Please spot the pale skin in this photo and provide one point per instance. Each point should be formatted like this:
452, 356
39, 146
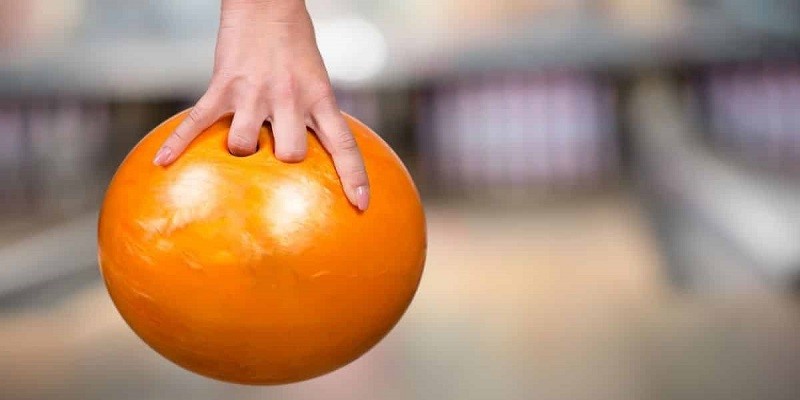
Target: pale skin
267, 67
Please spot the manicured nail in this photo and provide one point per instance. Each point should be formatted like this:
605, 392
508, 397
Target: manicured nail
362, 197
162, 156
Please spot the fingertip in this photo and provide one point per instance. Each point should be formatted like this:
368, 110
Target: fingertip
362, 197
163, 157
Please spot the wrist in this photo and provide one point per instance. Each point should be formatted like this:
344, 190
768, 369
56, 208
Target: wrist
265, 10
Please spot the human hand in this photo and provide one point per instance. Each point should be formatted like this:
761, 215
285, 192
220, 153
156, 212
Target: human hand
267, 67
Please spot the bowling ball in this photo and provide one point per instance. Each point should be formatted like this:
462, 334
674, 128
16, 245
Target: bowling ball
255, 271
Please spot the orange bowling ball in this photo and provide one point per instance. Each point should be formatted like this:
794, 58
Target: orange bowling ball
251, 270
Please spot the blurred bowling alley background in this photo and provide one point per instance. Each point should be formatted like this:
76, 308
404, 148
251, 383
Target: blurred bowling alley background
612, 189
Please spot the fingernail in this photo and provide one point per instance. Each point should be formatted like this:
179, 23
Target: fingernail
162, 156
362, 197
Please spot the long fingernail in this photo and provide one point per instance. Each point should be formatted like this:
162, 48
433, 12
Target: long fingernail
362, 197
162, 156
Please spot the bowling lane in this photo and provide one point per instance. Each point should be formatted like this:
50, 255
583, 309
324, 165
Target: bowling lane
558, 301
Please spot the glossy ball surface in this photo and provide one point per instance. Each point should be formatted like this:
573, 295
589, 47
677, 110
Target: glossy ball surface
251, 270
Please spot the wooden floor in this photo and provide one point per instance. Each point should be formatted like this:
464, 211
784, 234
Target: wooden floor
564, 301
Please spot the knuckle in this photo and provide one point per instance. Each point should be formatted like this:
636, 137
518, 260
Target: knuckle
224, 80
213, 102
258, 99
322, 91
345, 142
250, 94
322, 95
285, 89
217, 86
179, 136
357, 175
196, 113
239, 144
237, 84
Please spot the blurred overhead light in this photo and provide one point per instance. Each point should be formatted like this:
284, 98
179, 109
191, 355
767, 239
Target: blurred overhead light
354, 50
